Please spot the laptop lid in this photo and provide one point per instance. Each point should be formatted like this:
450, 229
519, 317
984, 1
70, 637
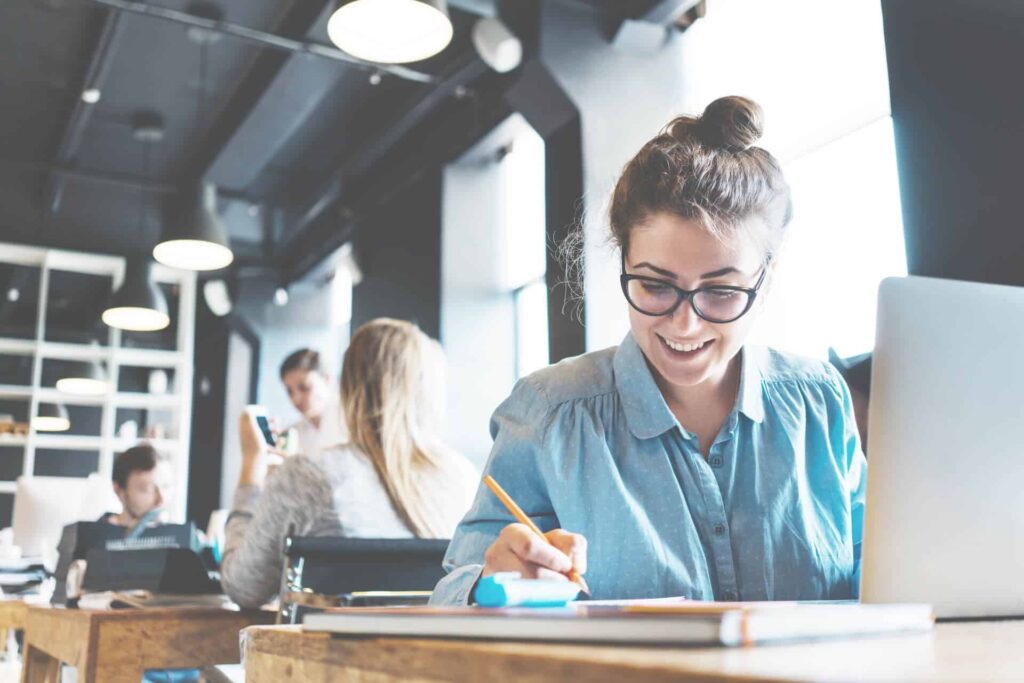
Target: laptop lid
944, 517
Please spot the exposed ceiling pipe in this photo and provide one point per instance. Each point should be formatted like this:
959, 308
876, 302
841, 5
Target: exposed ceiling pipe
648, 32
116, 179
484, 8
95, 73
264, 38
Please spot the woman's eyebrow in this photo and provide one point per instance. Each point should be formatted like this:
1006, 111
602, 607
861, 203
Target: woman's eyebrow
656, 269
706, 276
720, 272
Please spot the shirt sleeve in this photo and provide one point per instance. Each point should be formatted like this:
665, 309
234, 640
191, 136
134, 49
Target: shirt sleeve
852, 455
517, 427
259, 522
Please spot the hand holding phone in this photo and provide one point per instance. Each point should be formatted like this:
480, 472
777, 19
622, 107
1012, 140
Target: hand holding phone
259, 445
258, 415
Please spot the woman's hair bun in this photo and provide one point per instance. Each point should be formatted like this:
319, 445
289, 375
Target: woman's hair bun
733, 123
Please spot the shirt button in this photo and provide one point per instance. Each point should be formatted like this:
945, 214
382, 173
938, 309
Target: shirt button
719, 529
716, 462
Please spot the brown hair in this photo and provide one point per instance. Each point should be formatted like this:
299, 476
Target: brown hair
141, 458
705, 168
391, 394
303, 359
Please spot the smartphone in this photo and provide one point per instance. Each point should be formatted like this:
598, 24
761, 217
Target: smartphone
258, 415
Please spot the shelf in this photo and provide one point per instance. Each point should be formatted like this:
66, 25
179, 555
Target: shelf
15, 391
120, 400
147, 401
71, 443
115, 351
162, 445
51, 395
147, 358
19, 347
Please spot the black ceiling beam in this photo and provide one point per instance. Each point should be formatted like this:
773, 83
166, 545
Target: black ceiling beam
285, 42
365, 157
265, 70
442, 134
246, 147
651, 29
115, 179
93, 77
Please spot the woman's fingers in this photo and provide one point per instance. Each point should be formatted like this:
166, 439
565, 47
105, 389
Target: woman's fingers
531, 549
574, 546
519, 549
502, 559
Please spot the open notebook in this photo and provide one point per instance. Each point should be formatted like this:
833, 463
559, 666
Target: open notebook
682, 623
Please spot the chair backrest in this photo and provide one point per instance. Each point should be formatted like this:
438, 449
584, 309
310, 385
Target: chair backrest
330, 565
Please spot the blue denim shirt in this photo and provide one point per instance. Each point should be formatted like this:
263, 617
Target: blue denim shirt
590, 445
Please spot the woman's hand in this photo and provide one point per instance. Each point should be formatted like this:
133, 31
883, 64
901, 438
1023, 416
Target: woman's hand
518, 549
257, 457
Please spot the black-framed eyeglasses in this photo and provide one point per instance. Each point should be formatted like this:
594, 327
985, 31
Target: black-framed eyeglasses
714, 303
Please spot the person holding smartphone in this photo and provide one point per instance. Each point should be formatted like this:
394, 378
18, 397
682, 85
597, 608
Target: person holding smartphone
393, 478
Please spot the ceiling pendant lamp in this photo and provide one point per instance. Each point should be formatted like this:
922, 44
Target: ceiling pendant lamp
84, 378
138, 304
391, 31
51, 417
194, 237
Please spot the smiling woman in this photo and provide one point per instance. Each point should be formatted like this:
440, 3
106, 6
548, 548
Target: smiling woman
688, 461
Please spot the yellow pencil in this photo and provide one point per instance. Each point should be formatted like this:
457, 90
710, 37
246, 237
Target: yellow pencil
518, 513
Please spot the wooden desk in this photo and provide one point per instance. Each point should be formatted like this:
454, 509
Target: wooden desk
12, 618
978, 651
12, 614
111, 646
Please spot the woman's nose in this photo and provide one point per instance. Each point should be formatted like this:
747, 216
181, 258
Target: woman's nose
685, 319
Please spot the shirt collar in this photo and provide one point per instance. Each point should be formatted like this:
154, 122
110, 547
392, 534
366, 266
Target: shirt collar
750, 401
647, 413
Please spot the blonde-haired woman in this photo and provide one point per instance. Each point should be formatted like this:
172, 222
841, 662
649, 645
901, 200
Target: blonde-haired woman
393, 479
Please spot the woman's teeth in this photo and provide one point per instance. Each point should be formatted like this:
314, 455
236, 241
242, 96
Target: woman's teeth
683, 347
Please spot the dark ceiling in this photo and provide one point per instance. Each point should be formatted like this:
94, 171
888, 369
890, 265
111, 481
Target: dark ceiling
276, 123
298, 143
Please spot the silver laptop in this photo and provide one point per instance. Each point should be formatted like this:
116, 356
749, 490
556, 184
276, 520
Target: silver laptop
945, 499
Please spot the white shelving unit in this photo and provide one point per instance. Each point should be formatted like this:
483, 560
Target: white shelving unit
177, 402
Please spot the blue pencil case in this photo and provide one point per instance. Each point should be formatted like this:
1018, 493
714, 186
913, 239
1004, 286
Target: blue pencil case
510, 589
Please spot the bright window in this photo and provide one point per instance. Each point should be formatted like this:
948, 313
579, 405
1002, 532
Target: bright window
524, 256
845, 237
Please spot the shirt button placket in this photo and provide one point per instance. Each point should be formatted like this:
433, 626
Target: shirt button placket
720, 540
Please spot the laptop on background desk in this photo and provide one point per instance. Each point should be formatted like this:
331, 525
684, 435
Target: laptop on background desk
944, 517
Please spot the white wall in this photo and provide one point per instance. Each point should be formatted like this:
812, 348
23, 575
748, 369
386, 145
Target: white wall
623, 99
316, 317
813, 65
477, 312
236, 397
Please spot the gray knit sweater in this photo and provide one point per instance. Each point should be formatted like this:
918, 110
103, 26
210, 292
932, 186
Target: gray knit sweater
335, 492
